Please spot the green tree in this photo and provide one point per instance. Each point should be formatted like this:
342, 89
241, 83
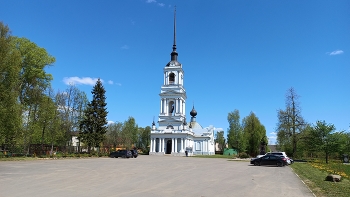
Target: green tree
305, 149
290, 123
254, 133
32, 84
129, 133
324, 139
93, 126
71, 104
144, 138
220, 140
235, 136
113, 135
46, 117
10, 65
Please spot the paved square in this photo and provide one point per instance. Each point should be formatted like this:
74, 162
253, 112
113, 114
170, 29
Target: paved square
146, 176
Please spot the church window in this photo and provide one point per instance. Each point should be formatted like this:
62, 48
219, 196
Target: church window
171, 108
171, 78
198, 146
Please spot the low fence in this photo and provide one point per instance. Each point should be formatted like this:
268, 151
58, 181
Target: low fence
48, 150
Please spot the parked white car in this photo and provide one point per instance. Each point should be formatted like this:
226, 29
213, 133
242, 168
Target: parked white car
289, 161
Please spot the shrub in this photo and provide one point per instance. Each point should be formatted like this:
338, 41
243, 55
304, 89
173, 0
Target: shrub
243, 155
234, 156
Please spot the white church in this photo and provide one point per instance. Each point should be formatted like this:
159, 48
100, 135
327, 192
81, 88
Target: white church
174, 135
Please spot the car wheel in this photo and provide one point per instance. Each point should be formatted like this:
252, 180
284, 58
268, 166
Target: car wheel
256, 163
279, 164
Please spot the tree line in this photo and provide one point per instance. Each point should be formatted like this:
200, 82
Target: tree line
301, 139
31, 112
295, 136
248, 136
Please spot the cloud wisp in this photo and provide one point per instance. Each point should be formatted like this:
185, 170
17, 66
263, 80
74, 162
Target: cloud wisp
336, 52
154, 1
80, 81
86, 81
125, 47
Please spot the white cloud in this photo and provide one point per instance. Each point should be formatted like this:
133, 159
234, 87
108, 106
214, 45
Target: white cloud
80, 81
154, 1
110, 82
110, 122
118, 84
272, 137
273, 133
219, 129
336, 52
125, 47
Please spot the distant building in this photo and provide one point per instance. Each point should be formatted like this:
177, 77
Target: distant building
174, 135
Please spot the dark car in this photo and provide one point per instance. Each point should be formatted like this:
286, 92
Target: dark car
121, 153
269, 160
134, 153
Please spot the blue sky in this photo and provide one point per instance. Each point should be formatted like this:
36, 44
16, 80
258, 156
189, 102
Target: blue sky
240, 55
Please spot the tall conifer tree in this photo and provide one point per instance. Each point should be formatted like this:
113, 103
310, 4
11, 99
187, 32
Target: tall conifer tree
94, 125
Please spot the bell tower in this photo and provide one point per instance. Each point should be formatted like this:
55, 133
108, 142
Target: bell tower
172, 94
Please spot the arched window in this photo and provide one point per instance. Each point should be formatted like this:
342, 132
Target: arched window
171, 78
171, 108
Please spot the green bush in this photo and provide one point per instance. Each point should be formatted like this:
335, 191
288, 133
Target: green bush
234, 156
243, 155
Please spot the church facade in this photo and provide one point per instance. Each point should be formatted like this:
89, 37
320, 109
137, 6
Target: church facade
174, 136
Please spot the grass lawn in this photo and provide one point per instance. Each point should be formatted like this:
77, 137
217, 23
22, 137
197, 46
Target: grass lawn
17, 158
314, 174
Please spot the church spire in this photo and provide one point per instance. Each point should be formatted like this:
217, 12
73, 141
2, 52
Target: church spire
174, 54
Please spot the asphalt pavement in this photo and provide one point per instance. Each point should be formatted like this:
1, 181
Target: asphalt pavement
145, 176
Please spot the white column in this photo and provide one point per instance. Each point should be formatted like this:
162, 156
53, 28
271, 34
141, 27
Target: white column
175, 144
166, 107
182, 145
183, 106
202, 146
155, 144
180, 106
151, 145
162, 145
161, 103
172, 145
164, 78
162, 106
207, 146
177, 77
